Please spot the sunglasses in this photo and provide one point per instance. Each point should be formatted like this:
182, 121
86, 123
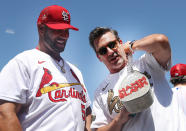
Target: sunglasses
111, 45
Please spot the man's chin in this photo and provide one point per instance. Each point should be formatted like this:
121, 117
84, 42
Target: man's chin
59, 50
119, 65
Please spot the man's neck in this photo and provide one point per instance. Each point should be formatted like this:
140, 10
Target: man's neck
180, 84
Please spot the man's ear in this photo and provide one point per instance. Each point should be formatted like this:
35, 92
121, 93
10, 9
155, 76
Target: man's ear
41, 28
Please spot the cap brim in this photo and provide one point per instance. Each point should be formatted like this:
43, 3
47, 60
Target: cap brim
61, 26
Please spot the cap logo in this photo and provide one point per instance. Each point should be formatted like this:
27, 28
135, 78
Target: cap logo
44, 17
176, 74
65, 16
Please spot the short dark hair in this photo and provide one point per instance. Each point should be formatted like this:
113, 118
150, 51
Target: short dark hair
178, 80
98, 32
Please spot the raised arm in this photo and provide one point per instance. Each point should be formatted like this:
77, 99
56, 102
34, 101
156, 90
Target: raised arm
156, 44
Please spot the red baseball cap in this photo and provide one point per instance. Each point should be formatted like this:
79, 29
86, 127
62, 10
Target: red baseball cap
55, 17
178, 70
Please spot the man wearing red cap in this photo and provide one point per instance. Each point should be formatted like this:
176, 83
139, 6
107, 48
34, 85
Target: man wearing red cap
178, 79
39, 89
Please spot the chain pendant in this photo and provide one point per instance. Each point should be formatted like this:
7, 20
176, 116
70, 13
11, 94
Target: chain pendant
63, 70
61, 67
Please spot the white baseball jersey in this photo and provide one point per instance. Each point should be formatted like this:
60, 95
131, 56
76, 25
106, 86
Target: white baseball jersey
51, 100
180, 94
163, 115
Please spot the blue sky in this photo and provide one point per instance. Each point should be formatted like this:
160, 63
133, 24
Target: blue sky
134, 19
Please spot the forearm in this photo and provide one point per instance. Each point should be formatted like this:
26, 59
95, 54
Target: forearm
151, 43
88, 119
156, 44
115, 125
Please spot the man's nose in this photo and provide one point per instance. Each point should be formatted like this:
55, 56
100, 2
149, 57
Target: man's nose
110, 51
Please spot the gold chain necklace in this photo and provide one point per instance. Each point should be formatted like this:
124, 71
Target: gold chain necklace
61, 67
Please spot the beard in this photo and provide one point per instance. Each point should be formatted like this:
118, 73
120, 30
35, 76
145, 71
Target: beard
54, 43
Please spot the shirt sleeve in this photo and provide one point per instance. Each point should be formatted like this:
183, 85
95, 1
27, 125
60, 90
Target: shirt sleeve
14, 82
153, 64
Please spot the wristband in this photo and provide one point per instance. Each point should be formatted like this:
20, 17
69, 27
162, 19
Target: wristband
131, 44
